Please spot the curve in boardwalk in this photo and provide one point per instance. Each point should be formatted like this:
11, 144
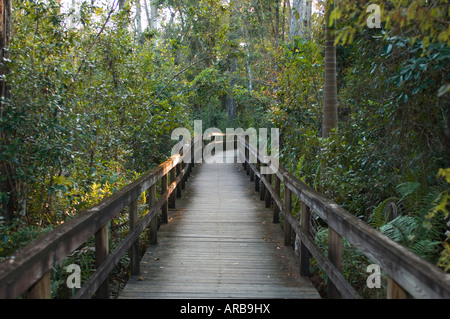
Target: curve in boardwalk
220, 242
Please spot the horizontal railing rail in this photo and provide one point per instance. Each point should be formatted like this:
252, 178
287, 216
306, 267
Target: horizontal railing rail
407, 272
28, 270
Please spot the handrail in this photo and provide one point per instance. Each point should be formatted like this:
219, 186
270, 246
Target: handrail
406, 270
30, 266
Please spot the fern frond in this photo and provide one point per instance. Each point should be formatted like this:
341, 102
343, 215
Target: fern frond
425, 248
407, 188
402, 229
383, 212
409, 196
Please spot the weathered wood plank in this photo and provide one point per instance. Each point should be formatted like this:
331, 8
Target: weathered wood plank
41, 289
133, 219
220, 242
154, 222
101, 252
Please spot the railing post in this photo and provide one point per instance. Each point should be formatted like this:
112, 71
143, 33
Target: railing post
276, 209
257, 165
193, 153
184, 179
101, 252
394, 290
262, 191
165, 206
267, 195
246, 155
335, 256
133, 218
305, 227
172, 175
178, 173
287, 211
41, 289
154, 222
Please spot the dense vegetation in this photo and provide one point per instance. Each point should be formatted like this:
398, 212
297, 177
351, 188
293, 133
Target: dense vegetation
94, 96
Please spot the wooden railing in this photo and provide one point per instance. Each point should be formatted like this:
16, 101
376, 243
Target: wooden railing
28, 270
406, 271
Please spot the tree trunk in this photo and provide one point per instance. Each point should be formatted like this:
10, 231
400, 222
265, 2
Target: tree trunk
73, 15
230, 103
330, 122
6, 170
152, 15
147, 13
277, 25
249, 70
330, 114
138, 18
301, 19
283, 23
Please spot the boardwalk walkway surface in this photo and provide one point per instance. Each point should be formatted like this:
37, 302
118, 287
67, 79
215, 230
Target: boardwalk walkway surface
220, 242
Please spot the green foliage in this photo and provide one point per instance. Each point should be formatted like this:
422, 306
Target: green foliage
17, 234
92, 107
79, 124
418, 222
354, 266
420, 20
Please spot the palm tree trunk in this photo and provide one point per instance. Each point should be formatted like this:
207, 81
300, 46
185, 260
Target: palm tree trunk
330, 114
330, 122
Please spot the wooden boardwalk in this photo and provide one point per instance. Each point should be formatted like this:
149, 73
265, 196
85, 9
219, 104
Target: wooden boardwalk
220, 242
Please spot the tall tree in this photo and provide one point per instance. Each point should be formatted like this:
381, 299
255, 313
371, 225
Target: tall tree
301, 19
138, 18
154, 16
330, 114
6, 180
330, 122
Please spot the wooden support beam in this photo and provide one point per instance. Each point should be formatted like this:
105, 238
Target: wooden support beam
305, 255
267, 195
394, 290
262, 190
154, 222
41, 289
177, 173
185, 176
165, 207
276, 209
287, 211
101, 252
134, 250
256, 176
173, 195
335, 256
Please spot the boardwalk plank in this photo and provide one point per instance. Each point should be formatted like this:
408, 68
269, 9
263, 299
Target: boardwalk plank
220, 242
